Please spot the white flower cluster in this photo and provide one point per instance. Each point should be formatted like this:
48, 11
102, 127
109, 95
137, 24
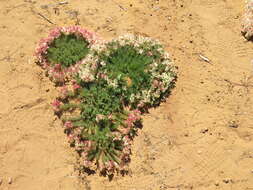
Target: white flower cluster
99, 46
88, 68
161, 82
135, 40
247, 25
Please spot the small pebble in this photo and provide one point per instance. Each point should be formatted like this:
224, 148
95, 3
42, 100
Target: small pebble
199, 151
1, 181
168, 17
22, 55
216, 183
44, 6
226, 180
10, 180
204, 130
233, 124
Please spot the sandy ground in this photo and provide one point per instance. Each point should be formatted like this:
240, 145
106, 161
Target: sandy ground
201, 138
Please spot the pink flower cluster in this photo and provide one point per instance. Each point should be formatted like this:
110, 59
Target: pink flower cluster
68, 125
247, 25
133, 116
56, 105
56, 72
64, 91
75, 86
67, 89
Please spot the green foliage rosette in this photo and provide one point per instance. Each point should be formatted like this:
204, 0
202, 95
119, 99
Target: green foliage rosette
139, 68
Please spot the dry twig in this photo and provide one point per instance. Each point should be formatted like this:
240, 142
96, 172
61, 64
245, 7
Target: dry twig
120, 6
42, 16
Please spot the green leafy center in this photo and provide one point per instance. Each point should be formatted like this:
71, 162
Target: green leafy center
67, 50
99, 99
133, 66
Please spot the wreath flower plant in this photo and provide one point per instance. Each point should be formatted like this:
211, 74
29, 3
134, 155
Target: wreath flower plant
139, 67
111, 86
64, 50
247, 25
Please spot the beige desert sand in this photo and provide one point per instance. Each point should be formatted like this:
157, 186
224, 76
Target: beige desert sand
200, 139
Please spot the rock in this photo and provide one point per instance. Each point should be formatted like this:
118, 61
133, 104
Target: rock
10, 180
247, 24
205, 130
233, 124
226, 180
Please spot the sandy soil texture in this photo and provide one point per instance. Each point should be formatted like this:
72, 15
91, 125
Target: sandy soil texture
201, 138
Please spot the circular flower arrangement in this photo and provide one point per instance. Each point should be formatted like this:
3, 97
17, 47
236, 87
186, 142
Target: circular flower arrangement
247, 25
64, 50
111, 86
139, 67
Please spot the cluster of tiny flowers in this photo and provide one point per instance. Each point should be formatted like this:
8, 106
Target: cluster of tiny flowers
68, 89
132, 118
161, 81
56, 104
247, 25
161, 77
55, 71
136, 41
88, 68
